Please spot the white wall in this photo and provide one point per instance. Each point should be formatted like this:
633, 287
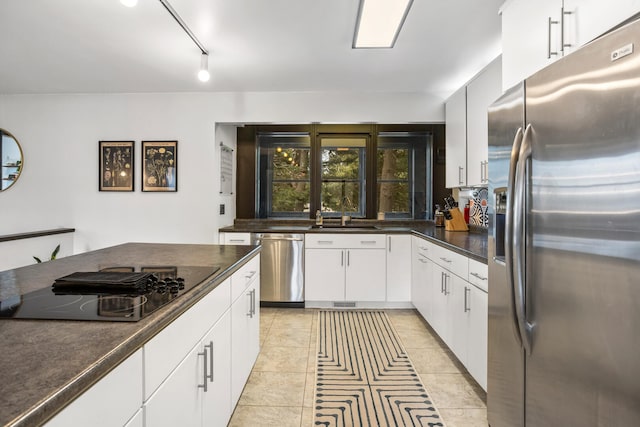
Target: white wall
59, 135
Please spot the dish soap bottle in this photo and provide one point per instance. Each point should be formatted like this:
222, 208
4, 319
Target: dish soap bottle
318, 217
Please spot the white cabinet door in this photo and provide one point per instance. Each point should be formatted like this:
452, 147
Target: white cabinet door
245, 338
458, 316
477, 351
481, 93
586, 20
365, 275
399, 268
422, 285
440, 304
186, 383
216, 405
530, 37
121, 388
456, 139
324, 275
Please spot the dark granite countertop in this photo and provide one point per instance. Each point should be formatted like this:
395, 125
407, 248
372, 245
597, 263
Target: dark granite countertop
472, 244
47, 363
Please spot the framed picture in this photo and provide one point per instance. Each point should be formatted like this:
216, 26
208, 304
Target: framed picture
159, 165
116, 166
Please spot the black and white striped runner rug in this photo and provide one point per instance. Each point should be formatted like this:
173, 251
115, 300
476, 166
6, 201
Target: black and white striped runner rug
364, 376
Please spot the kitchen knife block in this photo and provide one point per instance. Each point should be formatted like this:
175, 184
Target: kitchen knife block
456, 223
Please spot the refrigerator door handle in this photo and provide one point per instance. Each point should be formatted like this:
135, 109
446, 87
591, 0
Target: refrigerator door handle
519, 241
508, 235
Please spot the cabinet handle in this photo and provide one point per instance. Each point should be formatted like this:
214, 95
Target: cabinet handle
254, 302
342, 259
549, 24
250, 275
204, 384
448, 261
210, 346
474, 274
250, 295
325, 242
466, 299
562, 43
367, 242
424, 248
460, 169
236, 240
442, 282
348, 258
389, 243
422, 260
446, 283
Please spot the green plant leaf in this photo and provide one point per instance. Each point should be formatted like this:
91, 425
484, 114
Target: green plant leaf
38, 260
55, 252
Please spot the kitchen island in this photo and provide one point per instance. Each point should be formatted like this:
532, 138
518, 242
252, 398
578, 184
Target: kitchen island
48, 363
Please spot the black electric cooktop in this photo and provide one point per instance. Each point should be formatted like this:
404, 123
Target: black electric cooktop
108, 303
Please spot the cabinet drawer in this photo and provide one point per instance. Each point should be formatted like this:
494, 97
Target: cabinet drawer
235, 238
424, 248
479, 274
245, 275
452, 261
164, 352
345, 241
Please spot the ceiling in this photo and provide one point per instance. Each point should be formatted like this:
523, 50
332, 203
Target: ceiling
101, 46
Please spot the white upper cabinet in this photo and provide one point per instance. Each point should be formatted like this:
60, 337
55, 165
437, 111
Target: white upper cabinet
530, 38
467, 128
586, 20
536, 33
456, 139
481, 93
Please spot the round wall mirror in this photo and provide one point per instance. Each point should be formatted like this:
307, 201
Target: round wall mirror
11, 159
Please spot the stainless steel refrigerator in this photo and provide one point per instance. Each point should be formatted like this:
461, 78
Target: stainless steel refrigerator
564, 242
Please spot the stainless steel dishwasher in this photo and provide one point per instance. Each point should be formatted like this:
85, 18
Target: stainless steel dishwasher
281, 269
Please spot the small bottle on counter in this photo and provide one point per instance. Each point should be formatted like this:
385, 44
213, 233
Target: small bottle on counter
318, 217
439, 217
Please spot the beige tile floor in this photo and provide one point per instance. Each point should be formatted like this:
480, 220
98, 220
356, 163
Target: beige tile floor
280, 389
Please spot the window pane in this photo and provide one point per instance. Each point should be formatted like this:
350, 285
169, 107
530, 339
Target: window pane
284, 174
343, 164
393, 163
332, 200
290, 197
291, 163
394, 197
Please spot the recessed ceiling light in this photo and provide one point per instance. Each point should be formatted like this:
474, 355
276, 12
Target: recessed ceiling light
379, 22
129, 3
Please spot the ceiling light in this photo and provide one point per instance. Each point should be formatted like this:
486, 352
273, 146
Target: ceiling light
379, 22
203, 74
129, 3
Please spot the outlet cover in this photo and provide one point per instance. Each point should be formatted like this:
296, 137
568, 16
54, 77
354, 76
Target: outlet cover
222, 209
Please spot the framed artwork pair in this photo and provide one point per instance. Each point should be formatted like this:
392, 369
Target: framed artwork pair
159, 166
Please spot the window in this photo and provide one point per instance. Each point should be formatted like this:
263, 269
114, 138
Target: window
343, 176
401, 174
284, 182
355, 169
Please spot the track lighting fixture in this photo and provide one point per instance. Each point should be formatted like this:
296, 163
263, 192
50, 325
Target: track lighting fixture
203, 74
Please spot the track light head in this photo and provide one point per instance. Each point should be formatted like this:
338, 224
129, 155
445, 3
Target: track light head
203, 74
